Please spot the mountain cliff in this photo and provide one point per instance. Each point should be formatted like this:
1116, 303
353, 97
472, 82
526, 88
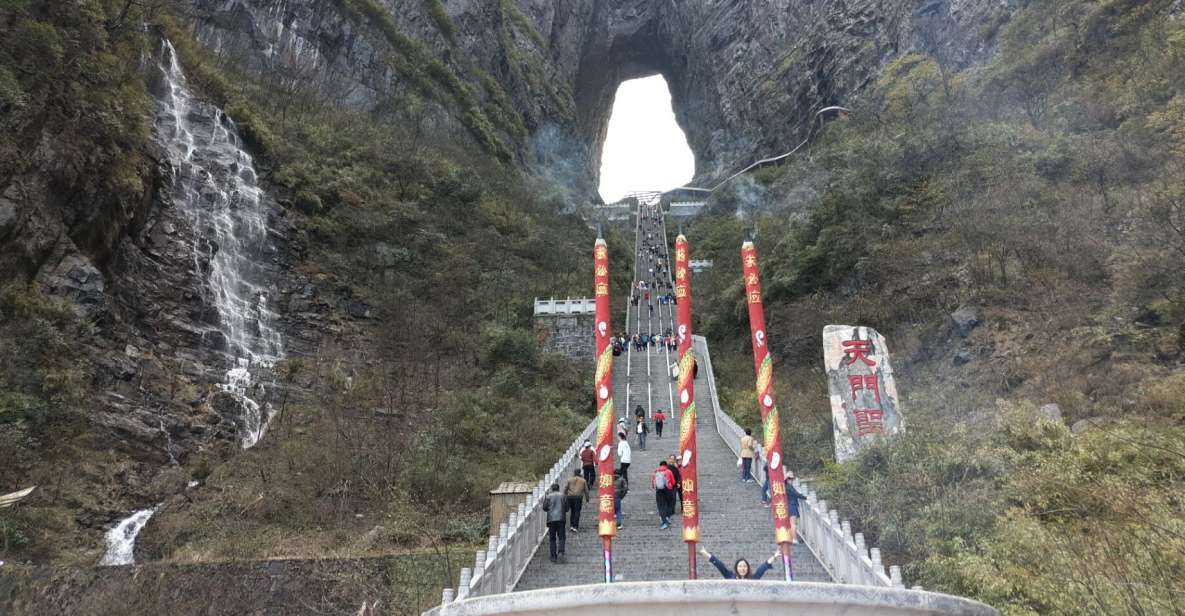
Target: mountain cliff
535, 80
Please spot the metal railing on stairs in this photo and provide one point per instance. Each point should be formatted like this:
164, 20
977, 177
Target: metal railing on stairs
845, 555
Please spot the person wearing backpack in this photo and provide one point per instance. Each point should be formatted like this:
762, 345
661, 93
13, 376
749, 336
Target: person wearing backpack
664, 486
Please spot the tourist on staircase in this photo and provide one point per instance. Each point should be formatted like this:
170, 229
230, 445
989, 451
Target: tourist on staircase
663, 482
621, 487
576, 493
624, 454
673, 464
554, 504
659, 418
642, 429
741, 570
588, 459
747, 453
792, 496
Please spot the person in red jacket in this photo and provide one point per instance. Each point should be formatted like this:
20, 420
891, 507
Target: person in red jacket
663, 482
588, 463
659, 418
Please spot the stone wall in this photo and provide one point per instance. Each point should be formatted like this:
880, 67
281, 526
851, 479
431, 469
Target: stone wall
569, 335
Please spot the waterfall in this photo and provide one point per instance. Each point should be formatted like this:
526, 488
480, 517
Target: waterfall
216, 185
121, 539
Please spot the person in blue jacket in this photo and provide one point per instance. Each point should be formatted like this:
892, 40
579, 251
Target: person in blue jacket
741, 570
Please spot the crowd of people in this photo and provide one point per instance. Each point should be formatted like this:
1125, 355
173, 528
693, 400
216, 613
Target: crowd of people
564, 504
640, 342
666, 482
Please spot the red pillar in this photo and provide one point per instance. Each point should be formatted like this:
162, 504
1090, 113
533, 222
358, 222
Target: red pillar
770, 428
603, 383
688, 453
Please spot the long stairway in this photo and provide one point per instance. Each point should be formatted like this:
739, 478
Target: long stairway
734, 524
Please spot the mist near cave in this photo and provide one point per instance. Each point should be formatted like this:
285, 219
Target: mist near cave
644, 149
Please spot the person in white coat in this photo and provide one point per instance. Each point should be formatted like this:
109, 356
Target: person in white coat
624, 455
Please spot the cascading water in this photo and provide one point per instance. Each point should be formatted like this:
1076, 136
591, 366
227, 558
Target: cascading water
216, 185
121, 539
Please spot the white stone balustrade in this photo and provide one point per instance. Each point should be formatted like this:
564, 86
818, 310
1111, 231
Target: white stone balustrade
497, 569
573, 306
844, 555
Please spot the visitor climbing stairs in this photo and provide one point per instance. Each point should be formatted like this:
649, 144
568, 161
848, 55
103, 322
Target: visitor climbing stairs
734, 523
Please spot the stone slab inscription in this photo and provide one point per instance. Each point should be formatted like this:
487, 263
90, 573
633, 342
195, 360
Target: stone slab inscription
864, 403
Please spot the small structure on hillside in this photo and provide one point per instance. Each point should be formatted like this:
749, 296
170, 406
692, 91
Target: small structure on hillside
864, 403
565, 326
686, 209
505, 499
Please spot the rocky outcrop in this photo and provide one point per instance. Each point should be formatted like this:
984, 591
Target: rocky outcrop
746, 77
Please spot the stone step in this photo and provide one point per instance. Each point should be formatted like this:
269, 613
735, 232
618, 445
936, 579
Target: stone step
733, 522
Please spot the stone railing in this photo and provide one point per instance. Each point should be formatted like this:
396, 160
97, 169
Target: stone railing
844, 555
712, 597
547, 307
498, 568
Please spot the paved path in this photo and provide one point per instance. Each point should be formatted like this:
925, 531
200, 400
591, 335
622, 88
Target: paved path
733, 522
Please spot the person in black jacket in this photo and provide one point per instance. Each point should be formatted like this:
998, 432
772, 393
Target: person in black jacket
673, 464
555, 506
741, 570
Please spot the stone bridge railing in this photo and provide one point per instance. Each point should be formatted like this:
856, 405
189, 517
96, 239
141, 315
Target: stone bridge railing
552, 306
498, 568
844, 555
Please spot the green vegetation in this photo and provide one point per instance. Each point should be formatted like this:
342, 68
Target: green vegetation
441, 18
1045, 188
71, 69
420, 407
40, 379
431, 76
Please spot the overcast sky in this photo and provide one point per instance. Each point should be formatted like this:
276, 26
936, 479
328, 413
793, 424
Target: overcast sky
645, 149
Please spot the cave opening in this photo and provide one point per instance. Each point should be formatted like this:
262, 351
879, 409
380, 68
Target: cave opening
645, 148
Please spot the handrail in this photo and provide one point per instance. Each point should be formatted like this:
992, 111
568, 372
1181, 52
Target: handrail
498, 568
764, 161
552, 306
844, 555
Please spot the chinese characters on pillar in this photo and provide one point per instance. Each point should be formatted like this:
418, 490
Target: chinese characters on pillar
864, 405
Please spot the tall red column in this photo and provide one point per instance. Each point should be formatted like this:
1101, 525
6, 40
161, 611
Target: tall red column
688, 454
771, 431
603, 382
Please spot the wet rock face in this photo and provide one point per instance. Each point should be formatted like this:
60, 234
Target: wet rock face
746, 77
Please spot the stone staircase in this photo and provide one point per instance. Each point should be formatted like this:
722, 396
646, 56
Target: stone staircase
734, 524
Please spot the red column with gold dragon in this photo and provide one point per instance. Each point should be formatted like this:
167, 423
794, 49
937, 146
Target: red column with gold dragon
771, 431
603, 382
688, 454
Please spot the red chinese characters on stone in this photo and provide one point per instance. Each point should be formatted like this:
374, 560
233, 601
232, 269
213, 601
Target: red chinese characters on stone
869, 421
865, 382
858, 350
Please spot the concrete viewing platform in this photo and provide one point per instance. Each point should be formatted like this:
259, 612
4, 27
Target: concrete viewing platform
715, 597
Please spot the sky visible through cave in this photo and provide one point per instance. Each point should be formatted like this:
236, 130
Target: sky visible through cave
645, 148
